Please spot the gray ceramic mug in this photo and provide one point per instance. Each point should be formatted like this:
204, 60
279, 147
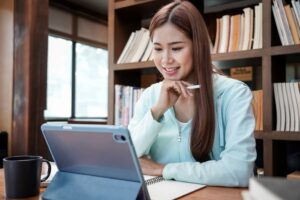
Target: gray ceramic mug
23, 175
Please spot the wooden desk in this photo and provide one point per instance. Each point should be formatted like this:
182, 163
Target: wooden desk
207, 193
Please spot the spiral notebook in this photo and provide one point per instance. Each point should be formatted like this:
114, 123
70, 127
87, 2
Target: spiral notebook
157, 186
162, 189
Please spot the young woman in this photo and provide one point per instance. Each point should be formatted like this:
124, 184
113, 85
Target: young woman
202, 135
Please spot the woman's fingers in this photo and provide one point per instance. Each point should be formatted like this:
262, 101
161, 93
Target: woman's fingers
184, 91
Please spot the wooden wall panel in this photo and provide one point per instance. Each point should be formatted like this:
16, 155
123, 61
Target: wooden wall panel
30, 64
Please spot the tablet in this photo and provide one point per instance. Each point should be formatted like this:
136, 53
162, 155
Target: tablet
100, 154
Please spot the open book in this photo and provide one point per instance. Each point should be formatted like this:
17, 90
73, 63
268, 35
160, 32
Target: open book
162, 189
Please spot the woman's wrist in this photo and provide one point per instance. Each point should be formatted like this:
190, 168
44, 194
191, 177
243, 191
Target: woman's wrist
157, 113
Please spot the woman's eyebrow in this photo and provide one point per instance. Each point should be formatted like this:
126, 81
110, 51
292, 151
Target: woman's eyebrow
171, 43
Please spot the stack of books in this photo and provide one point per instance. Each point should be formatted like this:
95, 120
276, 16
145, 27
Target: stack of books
287, 102
287, 19
239, 32
138, 48
125, 99
272, 188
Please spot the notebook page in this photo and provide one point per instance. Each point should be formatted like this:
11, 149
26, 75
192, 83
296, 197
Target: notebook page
169, 189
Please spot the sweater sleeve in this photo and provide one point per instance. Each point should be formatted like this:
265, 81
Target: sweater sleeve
143, 127
235, 166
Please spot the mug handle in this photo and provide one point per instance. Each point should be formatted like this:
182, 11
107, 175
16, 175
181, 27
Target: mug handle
48, 171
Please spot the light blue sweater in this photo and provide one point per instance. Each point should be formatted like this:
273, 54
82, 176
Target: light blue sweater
233, 153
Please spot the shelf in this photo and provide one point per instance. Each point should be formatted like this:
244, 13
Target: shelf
132, 66
285, 50
277, 135
219, 7
129, 3
237, 55
257, 53
142, 3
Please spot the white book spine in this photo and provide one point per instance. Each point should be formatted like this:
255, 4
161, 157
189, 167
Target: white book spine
129, 41
282, 110
297, 96
134, 46
286, 108
291, 108
297, 11
225, 31
147, 52
217, 38
250, 41
141, 46
247, 26
280, 22
261, 25
285, 22
295, 107
278, 115
256, 27
242, 25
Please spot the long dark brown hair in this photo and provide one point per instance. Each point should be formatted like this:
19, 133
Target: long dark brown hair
185, 16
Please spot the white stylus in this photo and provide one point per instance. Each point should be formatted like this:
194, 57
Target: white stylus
192, 87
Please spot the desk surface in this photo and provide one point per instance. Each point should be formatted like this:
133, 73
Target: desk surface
207, 193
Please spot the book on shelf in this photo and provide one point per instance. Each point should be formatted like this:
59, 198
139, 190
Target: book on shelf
148, 51
239, 32
277, 106
272, 188
257, 105
283, 27
138, 47
242, 73
142, 45
248, 28
292, 24
125, 51
234, 37
287, 98
217, 38
125, 99
224, 37
242, 30
159, 188
295, 20
296, 8
279, 25
135, 43
257, 43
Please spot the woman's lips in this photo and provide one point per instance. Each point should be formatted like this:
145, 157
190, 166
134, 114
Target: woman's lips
171, 71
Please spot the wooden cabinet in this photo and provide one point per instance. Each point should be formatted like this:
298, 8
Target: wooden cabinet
269, 62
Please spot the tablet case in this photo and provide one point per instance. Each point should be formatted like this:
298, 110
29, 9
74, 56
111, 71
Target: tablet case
94, 162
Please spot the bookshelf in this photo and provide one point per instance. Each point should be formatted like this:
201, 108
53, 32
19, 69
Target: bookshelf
269, 61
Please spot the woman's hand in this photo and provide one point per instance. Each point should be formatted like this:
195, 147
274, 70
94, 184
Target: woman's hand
169, 94
149, 167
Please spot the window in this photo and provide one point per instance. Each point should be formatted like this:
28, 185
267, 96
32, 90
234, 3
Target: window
91, 82
59, 78
77, 83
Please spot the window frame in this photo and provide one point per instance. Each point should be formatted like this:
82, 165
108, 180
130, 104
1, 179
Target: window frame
76, 39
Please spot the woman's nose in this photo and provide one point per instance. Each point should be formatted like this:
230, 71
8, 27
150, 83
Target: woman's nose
166, 59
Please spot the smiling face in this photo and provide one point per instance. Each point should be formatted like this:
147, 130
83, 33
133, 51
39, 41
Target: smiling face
172, 53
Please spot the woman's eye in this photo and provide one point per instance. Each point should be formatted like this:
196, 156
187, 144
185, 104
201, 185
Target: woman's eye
176, 48
157, 49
